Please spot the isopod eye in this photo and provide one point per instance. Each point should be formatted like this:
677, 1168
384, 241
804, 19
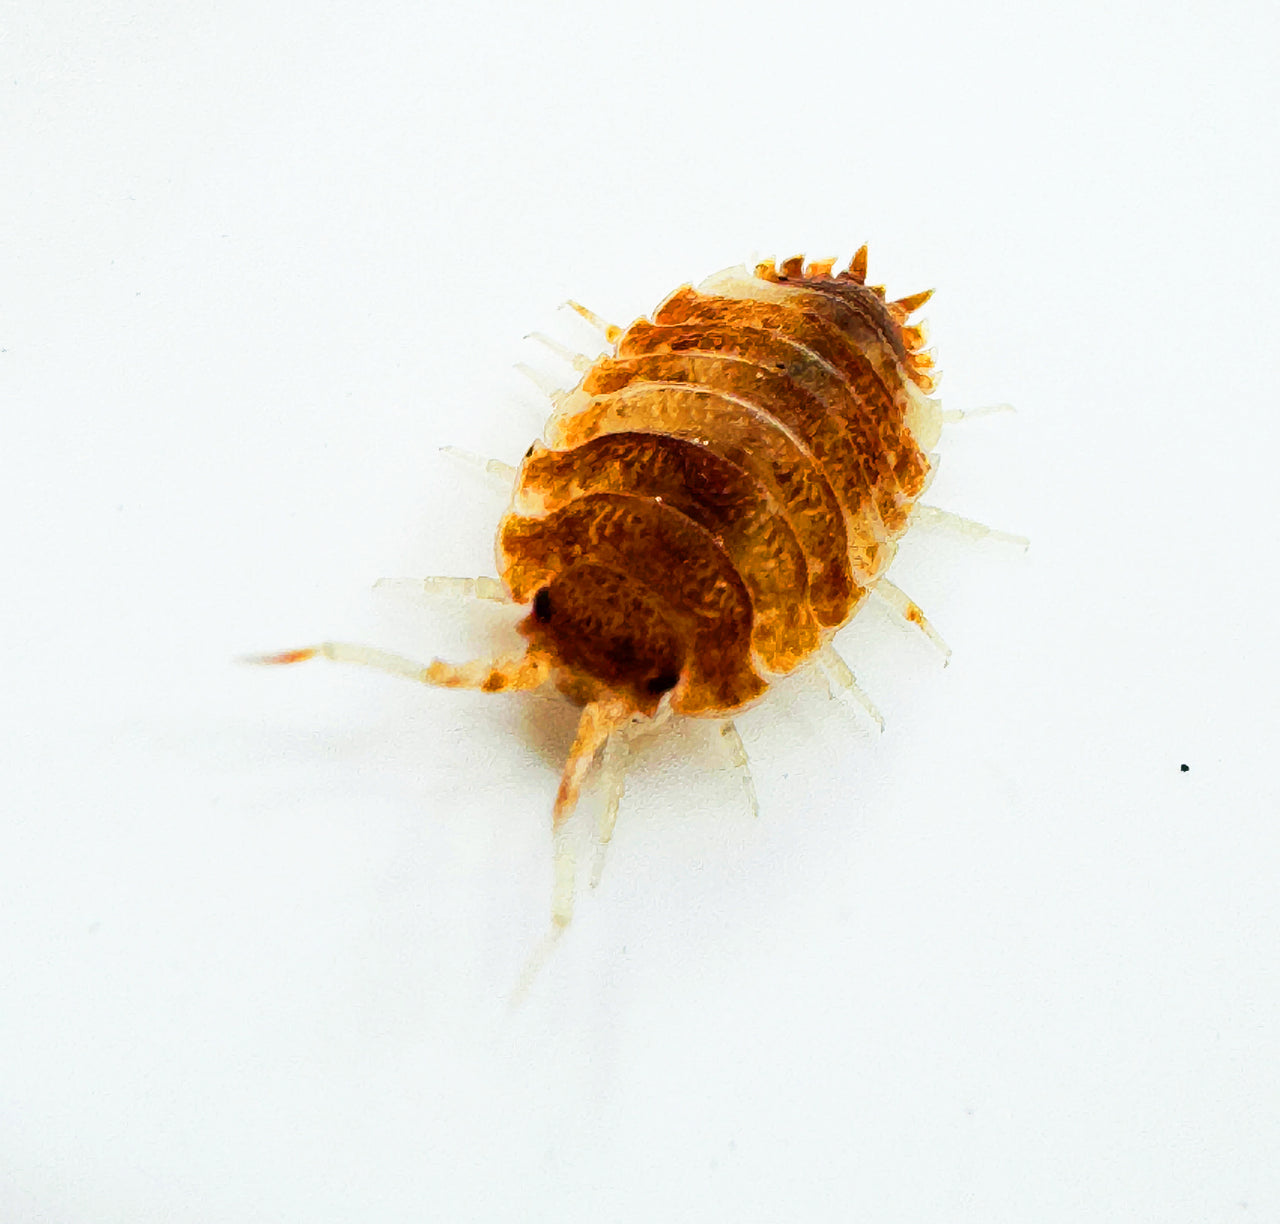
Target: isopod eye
542, 605
664, 682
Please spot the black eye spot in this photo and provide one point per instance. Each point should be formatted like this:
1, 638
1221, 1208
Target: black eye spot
662, 683
542, 605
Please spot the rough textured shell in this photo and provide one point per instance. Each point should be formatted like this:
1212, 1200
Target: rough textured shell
719, 493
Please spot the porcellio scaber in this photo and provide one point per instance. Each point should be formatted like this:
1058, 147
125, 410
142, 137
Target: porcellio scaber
716, 497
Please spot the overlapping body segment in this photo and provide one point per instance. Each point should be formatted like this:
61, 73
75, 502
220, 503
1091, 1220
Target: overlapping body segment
714, 499
775, 414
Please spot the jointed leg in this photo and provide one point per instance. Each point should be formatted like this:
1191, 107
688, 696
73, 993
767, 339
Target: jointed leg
599, 720
953, 416
908, 610
739, 762
556, 394
580, 361
501, 475
600, 725
489, 589
613, 781
842, 685
966, 526
611, 330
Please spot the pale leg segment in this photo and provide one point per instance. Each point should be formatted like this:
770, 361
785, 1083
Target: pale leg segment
580, 361
502, 476
842, 685
613, 783
613, 778
908, 610
938, 517
739, 762
599, 721
555, 393
611, 331
603, 725
953, 416
488, 589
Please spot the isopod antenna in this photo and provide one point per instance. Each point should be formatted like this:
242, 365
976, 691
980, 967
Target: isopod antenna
519, 671
504, 673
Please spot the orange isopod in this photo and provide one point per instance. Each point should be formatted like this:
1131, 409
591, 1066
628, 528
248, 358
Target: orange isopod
715, 498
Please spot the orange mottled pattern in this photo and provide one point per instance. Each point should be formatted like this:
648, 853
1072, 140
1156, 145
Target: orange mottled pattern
721, 490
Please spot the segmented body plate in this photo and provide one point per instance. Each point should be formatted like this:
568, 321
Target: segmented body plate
719, 493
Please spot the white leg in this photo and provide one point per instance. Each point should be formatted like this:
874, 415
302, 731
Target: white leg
738, 761
842, 685
966, 526
953, 416
580, 361
534, 965
908, 610
564, 876
557, 395
599, 720
613, 781
501, 475
489, 589
611, 331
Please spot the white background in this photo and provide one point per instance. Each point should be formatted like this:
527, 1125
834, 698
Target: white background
258, 928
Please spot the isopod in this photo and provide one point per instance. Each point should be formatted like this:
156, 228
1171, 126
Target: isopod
717, 496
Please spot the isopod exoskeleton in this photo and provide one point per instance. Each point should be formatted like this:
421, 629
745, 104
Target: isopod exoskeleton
715, 498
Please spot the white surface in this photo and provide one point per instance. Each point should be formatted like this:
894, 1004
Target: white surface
256, 928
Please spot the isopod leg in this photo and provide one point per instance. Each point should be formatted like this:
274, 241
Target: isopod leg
953, 416
611, 330
740, 763
966, 526
842, 685
599, 720
501, 475
908, 610
613, 781
505, 673
579, 361
489, 589
556, 394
